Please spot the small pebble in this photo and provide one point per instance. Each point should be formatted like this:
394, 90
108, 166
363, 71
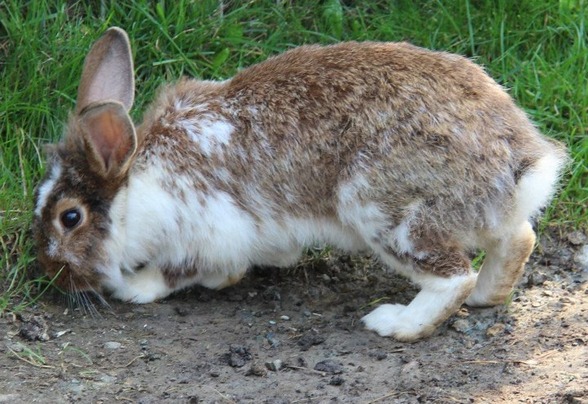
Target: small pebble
272, 339
238, 356
256, 369
300, 361
285, 318
461, 325
576, 237
274, 365
336, 380
34, 329
566, 300
155, 356
379, 355
496, 329
310, 339
181, 311
329, 366
536, 279
112, 345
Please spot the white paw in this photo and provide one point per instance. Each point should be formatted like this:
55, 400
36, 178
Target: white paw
391, 320
141, 295
144, 286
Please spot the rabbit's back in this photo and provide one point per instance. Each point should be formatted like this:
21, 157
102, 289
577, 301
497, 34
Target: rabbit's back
383, 122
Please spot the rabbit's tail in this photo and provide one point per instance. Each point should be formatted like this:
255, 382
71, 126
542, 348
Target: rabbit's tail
537, 185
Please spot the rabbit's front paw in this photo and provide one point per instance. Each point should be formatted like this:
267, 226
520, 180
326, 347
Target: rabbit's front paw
439, 298
144, 286
390, 320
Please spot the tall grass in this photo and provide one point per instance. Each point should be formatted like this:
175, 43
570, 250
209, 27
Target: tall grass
537, 49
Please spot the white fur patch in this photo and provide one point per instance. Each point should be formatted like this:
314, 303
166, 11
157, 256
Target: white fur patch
210, 135
52, 248
374, 225
46, 188
153, 226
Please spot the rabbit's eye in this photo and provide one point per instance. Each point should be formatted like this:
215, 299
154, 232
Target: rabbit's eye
71, 218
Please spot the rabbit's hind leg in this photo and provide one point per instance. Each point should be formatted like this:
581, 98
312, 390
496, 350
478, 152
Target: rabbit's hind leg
503, 266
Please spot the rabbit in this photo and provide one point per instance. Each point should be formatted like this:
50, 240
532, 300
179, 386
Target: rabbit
415, 156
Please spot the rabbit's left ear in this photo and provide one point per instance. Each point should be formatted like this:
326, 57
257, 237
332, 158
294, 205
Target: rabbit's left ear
108, 72
109, 138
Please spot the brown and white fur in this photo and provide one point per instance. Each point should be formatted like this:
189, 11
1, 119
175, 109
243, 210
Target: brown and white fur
414, 155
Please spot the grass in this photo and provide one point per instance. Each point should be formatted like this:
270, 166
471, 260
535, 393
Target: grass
535, 48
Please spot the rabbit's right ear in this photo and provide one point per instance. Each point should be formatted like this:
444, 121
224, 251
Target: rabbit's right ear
109, 138
108, 72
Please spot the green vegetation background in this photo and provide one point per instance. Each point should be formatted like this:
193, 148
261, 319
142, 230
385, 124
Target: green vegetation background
535, 48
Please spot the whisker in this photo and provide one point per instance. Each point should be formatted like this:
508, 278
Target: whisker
81, 302
84, 298
87, 304
79, 298
98, 296
71, 295
89, 294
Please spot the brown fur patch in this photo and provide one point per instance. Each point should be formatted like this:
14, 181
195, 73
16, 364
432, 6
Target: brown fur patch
175, 273
445, 263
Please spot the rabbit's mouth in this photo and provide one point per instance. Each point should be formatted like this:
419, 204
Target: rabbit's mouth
69, 278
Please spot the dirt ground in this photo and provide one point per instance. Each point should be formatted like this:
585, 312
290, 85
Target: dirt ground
293, 336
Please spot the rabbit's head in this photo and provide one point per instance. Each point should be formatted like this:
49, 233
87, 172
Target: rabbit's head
88, 168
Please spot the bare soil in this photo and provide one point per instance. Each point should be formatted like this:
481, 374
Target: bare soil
293, 336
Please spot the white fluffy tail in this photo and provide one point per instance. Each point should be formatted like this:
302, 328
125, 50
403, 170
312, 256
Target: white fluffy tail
537, 186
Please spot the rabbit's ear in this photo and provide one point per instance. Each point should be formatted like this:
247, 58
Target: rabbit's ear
109, 138
108, 72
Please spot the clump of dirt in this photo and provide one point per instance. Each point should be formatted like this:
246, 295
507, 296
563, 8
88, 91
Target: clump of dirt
286, 336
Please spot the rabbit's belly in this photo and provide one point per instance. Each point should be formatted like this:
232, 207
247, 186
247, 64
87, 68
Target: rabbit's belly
281, 243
